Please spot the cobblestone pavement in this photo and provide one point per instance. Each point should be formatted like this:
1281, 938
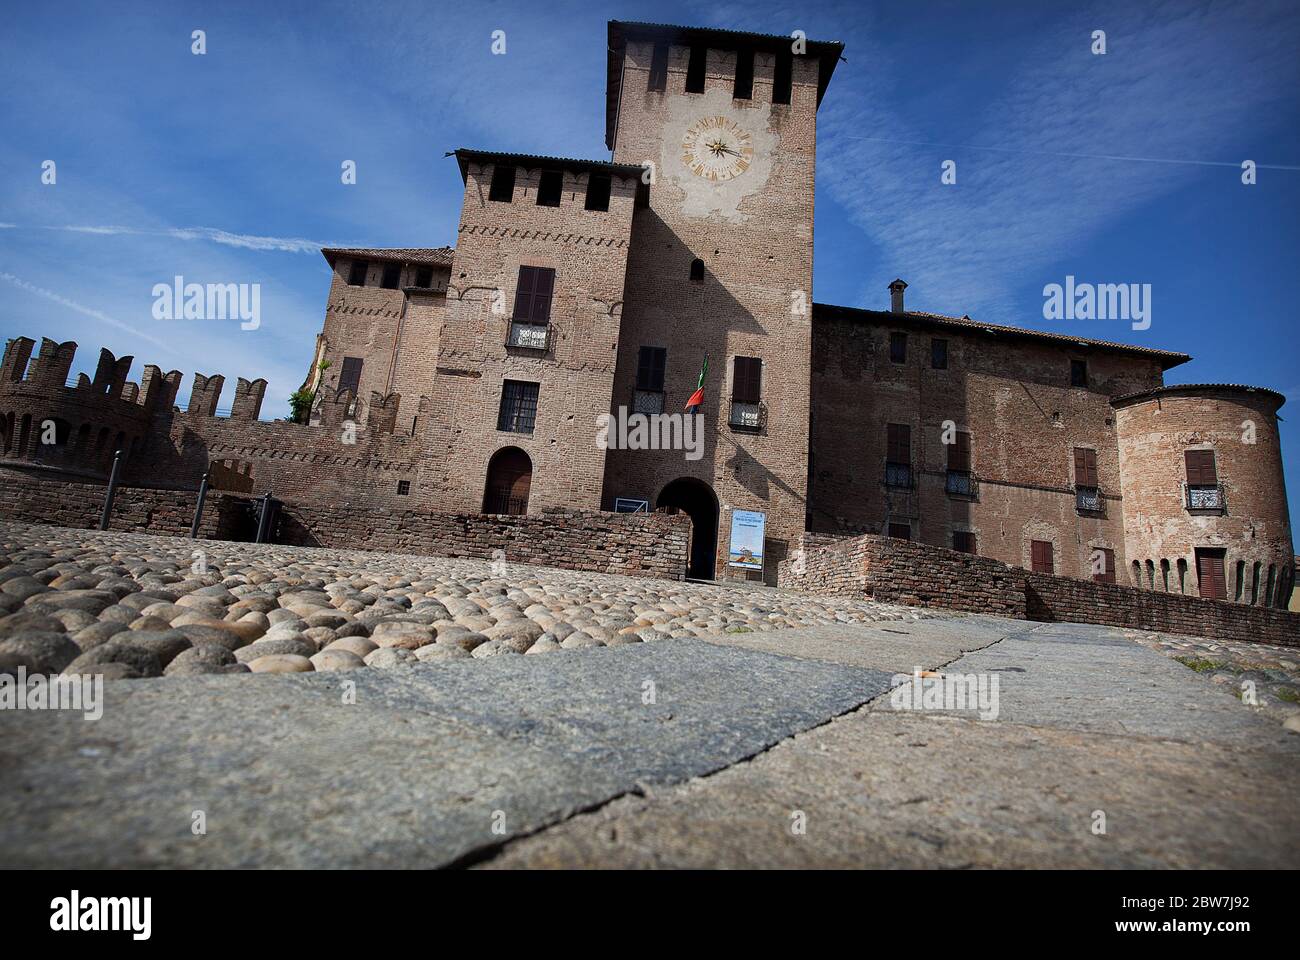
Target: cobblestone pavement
131, 605
1268, 673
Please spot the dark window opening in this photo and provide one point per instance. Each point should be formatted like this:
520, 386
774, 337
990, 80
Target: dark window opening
518, 412
598, 189
1078, 373
1040, 556
697, 271
744, 89
357, 273
424, 277
695, 70
960, 480
551, 188
898, 348
650, 368
392, 276
898, 455
533, 295
781, 78
900, 531
403, 487
503, 184
939, 354
658, 68
747, 380
963, 541
350, 375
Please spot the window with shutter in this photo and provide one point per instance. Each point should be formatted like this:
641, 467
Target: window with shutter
747, 380
959, 451
1085, 467
350, 375
898, 455
1103, 570
1203, 491
1210, 573
533, 294
650, 368
1040, 556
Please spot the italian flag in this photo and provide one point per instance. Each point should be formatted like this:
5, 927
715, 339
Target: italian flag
697, 398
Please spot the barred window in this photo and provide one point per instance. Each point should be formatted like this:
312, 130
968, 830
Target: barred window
518, 406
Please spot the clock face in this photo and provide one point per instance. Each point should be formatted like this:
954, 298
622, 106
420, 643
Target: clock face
717, 149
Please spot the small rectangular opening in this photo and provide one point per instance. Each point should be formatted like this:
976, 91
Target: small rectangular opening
392, 276
658, 68
781, 79
357, 273
503, 184
424, 277
744, 89
695, 70
598, 189
550, 189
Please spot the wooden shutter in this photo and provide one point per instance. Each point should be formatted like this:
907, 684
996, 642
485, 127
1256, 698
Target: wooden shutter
1085, 467
1040, 556
747, 380
1201, 470
1107, 574
650, 368
899, 443
350, 376
1210, 574
959, 452
533, 294
524, 293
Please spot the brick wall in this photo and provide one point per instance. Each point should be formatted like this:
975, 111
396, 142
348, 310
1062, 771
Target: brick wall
901, 571
649, 545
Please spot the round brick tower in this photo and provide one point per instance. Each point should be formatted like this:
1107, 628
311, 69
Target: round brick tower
1205, 509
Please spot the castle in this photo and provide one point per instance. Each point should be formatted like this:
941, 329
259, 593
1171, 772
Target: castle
470, 379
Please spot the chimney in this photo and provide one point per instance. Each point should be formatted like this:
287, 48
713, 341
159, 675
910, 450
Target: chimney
896, 296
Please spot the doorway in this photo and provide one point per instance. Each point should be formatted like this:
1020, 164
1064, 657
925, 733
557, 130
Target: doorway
509, 481
696, 499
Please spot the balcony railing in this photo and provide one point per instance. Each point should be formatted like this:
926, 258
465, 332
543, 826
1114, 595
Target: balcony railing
899, 475
748, 416
648, 402
1087, 500
529, 336
961, 483
1205, 497
498, 500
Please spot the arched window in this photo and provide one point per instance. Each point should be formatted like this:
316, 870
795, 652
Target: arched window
1164, 575
1151, 575
697, 270
1254, 584
1268, 587
1182, 575
1240, 581
1137, 574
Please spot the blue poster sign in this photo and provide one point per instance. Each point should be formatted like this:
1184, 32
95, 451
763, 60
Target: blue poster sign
747, 527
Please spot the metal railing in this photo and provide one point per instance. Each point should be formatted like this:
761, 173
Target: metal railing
899, 475
748, 416
1205, 497
1088, 500
529, 336
961, 483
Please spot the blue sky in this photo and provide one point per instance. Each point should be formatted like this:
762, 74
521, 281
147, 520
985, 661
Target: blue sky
225, 167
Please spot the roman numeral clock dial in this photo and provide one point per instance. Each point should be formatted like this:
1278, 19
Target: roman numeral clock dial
717, 149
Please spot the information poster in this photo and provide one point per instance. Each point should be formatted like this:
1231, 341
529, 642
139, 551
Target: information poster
747, 528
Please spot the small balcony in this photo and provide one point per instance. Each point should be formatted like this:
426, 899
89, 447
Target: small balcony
1088, 500
1207, 497
750, 417
961, 483
899, 476
649, 402
529, 336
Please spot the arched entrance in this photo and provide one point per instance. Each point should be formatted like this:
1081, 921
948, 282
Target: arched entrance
696, 499
509, 479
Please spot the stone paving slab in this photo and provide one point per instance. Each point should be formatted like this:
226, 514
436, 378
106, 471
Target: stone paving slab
1185, 775
411, 775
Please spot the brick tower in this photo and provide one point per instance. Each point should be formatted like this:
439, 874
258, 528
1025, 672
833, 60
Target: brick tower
720, 266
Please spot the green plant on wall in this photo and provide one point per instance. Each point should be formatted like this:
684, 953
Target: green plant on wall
301, 401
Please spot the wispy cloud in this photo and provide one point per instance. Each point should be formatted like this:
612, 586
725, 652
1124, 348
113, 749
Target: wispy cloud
243, 241
84, 310
1033, 185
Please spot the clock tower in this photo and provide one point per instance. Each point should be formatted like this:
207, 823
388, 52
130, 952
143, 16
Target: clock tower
719, 266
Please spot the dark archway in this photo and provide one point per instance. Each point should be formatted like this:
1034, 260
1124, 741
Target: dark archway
509, 480
697, 500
